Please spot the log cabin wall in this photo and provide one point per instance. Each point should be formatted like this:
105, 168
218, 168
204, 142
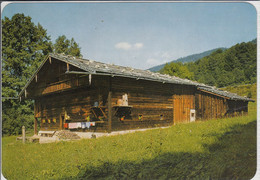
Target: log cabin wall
150, 103
53, 79
209, 106
183, 103
237, 108
58, 95
76, 104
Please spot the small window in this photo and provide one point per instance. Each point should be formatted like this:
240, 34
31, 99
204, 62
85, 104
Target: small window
43, 121
49, 121
192, 114
140, 117
161, 117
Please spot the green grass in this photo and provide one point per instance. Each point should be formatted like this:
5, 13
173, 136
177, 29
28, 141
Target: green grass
214, 149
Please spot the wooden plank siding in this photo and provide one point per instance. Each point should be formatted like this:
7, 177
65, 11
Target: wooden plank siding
57, 94
146, 98
183, 102
237, 108
52, 78
209, 106
151, 100
77, 103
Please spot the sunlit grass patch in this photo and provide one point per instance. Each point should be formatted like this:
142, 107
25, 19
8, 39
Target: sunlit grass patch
220, 148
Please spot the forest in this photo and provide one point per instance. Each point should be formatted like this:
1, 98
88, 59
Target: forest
233, 66
190, 58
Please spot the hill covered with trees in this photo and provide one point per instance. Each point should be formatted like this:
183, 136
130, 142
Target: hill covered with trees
236, 65
190, 58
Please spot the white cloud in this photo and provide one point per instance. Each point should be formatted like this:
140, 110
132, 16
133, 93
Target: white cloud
138, 45
123, 45
128, 46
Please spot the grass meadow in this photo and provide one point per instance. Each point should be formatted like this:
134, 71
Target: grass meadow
214, 149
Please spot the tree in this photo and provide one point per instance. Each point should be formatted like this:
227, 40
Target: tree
68, 47
24, 45
74, 48
177, 69
239, 76
61, 45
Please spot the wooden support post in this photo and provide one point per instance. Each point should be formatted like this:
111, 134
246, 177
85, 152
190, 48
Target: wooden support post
109, 108
68, 67
35, 126
61, 122
89, 79
109, 111
23, 134
50, 59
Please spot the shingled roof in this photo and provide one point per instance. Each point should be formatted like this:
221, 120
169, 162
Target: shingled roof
98, 68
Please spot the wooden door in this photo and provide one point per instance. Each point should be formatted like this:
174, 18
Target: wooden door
183, 102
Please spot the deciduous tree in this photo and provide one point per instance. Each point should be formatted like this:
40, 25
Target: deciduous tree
24, 46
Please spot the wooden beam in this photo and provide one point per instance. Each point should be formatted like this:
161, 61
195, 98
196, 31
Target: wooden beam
61, 119
114, 75
35, 126
36, 77
109, 111
109, 108
89, 78
50, 59
25, 93
68, 67
213, 93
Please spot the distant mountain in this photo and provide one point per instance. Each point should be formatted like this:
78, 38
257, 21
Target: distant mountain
190, 58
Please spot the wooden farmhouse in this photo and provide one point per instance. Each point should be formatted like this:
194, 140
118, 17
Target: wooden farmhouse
85, 95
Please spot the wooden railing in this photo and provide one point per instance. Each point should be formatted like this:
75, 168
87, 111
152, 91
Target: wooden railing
61, 85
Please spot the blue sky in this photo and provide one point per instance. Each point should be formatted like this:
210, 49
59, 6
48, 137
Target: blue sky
142, 35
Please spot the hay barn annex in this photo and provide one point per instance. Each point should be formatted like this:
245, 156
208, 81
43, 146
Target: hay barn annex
85, 95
